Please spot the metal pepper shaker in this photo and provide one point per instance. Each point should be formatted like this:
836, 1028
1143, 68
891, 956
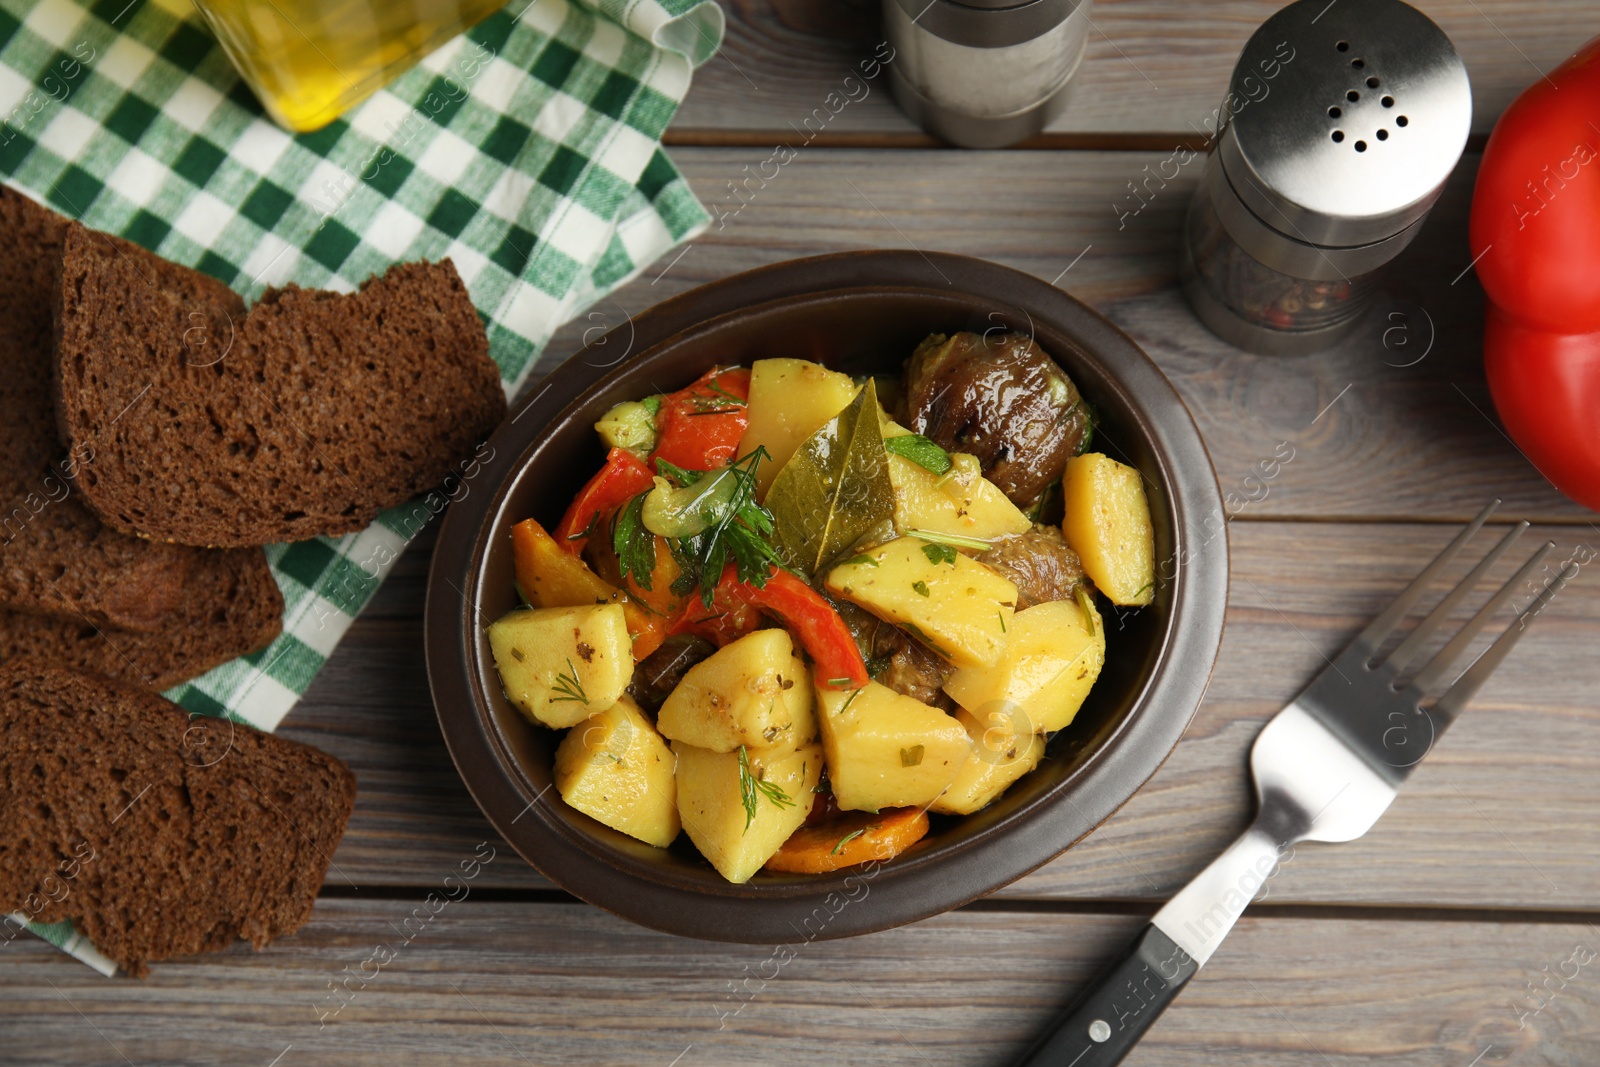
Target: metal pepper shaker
1323, 171
984, 73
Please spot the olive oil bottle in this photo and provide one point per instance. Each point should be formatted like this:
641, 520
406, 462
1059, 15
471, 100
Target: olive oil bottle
309, 61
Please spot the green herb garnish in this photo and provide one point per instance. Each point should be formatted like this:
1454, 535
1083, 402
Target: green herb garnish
1087, 607
916, 631
635, 546
911, 757
920, 587
1002, 617
587, 531
751, 789
728, 525
668, 469
977, 544
738, 401
862, 560
846, 839
743, 534
919, 450
938, 554
569, 687
652, 404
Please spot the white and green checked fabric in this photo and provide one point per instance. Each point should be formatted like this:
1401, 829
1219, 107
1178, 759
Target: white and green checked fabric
527, 150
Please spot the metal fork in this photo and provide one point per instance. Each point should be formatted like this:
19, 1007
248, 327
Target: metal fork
1325, 767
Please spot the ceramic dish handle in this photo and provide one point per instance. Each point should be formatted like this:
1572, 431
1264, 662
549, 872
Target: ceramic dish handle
1122, 1002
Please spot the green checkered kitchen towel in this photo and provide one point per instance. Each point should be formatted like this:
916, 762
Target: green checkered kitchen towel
527, 150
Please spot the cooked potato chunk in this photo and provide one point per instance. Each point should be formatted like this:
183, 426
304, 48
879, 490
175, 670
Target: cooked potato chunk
886, 750
615, 769
790, 399
551, 577
1004, 749
754, 692
962, 501
562, 665
712, 792
1052, 656
959, 607
1107, 523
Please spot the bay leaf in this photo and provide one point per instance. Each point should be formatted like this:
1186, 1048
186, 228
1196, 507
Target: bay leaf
834, 489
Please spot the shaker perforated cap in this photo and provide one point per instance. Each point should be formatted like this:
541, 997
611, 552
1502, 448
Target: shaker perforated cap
1344, 119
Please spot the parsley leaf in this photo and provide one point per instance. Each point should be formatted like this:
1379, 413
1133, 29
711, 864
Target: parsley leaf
938, 553
919, 450
635, 546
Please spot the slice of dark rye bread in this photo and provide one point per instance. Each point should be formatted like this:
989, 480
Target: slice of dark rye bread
56, 557
233, 607
306, 416
159, 833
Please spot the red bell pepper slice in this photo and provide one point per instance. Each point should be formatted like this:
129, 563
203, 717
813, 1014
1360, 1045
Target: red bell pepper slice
623, 477
811, 620
699, 428
729, 617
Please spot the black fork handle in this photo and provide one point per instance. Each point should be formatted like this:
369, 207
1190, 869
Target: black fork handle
1123, 1001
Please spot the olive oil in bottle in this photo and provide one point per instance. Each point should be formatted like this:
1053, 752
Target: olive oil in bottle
309, 61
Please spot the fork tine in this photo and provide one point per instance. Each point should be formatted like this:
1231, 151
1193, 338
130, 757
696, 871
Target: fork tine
1437, 667
1456, 697
1408, 648
1384, 624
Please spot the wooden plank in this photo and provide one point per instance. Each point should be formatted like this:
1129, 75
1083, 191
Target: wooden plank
1395, 422
1500, 815
1153, 69
551, 983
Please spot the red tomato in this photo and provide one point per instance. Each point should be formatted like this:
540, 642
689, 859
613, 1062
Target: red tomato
699, 428
1535, 236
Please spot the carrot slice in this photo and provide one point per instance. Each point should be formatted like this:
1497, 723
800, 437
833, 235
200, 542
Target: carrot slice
854, 837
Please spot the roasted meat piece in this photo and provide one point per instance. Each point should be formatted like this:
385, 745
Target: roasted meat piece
1000, 398
1039, 564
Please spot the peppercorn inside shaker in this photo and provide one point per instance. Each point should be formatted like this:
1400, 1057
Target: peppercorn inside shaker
1342, 123
984, 73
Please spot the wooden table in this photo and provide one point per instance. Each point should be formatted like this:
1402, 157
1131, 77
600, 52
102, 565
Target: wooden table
1418, 944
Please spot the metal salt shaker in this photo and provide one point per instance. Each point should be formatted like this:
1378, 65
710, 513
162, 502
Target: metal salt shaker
1323, 171
984, 73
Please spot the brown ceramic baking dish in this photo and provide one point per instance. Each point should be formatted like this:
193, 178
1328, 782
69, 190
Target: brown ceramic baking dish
858, 312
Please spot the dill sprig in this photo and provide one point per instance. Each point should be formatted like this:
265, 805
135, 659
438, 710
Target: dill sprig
751, 789
570, 688
846, 839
